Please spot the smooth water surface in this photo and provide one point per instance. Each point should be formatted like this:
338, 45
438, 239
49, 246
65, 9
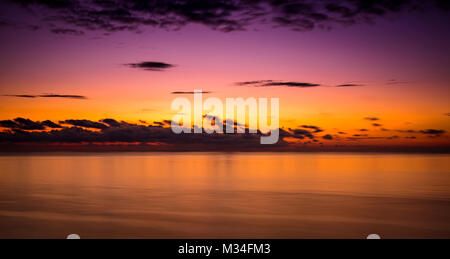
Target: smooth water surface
224, 195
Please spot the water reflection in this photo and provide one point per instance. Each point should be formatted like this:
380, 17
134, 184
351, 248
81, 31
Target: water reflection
219, 195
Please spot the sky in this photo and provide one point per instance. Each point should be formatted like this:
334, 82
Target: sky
347, 73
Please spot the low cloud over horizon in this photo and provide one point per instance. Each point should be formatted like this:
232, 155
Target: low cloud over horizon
22, 130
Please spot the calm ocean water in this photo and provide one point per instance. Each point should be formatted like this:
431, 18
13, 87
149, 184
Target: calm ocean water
224, 195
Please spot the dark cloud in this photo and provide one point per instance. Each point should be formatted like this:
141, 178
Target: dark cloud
393, 137
16, 25
432, 132
111, 122
8, 124
159, 123
151, 65
85, 123
110, 130
22, 124
357, 137
396, 82
376, 125
429, 132
27, 124
292, 84
48, 96
315, 128
231, 122
62, 96
126, 133
253, 83
372, 118
447, 114
226, 16
51, 124
21, 95
67, 31
349, 85
327, 137
301, 134
407, 131
363, 130
269, 83
181, 92
167, 122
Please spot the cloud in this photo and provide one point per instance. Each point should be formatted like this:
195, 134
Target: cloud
372, 119
159, 123
315, 128
124, 132
447, 114
432, 132
100, 135
376, 125
226, 16
22, 124
301, 134
62, 96
232, 122
396, 82
47, 96
252, 83
407, 131
349, 85
366, 137
111, 122
363, 130
327, 137
85, 123
292, 84
27, 124
181, 92
269, 83
429, 132
110, 130
151, 65
51, 124
67, 31
8, 124
21, 95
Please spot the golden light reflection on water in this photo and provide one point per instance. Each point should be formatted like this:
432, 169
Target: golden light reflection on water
219, 195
